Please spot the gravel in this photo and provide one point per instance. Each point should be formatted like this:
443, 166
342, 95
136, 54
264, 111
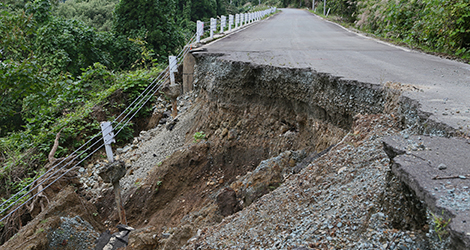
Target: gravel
334, 203
72, 233
145, 152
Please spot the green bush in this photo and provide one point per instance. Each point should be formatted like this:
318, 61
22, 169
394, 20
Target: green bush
152, 20
435, 25
94, 13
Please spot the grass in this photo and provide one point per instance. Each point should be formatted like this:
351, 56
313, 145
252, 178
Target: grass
198, 136
440, 225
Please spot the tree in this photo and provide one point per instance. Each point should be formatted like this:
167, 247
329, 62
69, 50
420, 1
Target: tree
95, 13
151, 20
19, 70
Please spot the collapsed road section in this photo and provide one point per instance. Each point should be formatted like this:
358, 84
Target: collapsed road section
277, 158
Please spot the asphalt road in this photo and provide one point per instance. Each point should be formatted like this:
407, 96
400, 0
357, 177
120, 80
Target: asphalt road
299, 39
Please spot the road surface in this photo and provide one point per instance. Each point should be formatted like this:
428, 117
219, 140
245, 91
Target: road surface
299, 39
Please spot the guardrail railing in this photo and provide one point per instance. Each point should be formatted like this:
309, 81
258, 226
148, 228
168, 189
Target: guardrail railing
235, 22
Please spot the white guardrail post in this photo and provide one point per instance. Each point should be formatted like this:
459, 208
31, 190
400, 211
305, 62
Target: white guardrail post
223, 20
199, 31
213, 26
237, 20
108, 138
230, 22
173, 68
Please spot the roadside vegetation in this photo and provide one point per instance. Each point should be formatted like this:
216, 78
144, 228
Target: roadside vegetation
436, 26
65, 65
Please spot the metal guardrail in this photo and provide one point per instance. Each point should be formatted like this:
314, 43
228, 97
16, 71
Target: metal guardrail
86, 150
234, 21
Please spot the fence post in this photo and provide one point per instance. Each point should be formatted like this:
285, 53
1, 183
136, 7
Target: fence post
108, 138
230, 22
237, 19
223, 20
199, 31
173, 69
213, 26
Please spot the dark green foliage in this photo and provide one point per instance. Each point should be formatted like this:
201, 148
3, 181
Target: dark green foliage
437, 25
19, 69
203, 9
69, 45
94, 13
18, 79
16, 31
40, 9
154, 21
37, 50
343, 8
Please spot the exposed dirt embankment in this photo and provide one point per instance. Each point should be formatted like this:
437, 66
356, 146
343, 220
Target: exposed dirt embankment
304, 91
244, 125
256, 127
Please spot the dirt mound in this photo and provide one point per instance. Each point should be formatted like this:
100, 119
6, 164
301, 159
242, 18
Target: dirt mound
69, 222
183, 189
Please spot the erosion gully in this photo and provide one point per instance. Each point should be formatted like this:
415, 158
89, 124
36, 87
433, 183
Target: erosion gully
252, 115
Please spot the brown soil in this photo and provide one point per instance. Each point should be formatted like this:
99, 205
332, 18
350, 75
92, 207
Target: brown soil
66, 204
237, 140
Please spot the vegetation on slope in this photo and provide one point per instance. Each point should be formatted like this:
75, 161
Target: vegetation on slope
62, 61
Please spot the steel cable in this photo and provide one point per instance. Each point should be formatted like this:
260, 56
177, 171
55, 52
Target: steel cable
152, 89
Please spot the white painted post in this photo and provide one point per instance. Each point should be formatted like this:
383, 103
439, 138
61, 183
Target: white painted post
230, 22
108, 138
199, 31
223, 21
213, 26
324, 7
173, 68
237, 19
313, 5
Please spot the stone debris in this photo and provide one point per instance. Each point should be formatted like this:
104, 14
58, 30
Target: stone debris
118, 240
441, 188
337, 202
135, 154
72, 232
